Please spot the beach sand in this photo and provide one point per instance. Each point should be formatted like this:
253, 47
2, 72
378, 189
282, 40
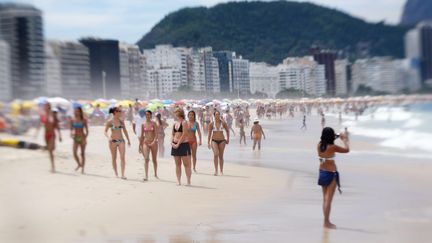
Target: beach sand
264, 196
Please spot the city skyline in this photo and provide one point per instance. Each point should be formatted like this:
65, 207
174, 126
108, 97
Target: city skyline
93, 18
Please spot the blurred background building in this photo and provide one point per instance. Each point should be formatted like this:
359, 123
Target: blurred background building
21, 26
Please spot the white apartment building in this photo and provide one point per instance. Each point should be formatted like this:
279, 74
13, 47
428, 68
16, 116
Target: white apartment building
5, 72
385, 74
302, 74
341, 72
125, 85
74, 64
240, 75
264, 78
132, 71
163, 81
52, 72
211, 71
166, 69
197, 80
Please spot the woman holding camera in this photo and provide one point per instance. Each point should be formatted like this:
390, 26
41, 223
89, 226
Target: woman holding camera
328, 174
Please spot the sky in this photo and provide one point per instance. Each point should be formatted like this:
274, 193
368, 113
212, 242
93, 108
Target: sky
129, 20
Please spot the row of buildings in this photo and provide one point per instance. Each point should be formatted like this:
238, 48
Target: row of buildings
31, 66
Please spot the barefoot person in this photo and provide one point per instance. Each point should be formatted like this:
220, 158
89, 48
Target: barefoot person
79, 132
194, 127
242, 131
180, 146
51, 125
328, 174
256, 134
116, 140
137, 125
161, 126
149, 143
216, 141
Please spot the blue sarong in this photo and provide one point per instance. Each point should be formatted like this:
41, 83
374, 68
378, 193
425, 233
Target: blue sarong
326, 177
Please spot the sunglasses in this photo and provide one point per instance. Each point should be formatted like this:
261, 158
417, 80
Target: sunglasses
116, 111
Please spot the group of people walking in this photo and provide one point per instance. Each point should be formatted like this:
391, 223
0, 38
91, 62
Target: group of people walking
186, 136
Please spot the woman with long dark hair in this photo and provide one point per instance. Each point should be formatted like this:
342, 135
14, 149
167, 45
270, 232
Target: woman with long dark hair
194, 127
180, 146
116, 140
328, 174
217, 142
79, 132
149, 143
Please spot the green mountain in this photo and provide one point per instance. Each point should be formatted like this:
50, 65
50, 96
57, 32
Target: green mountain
271, 31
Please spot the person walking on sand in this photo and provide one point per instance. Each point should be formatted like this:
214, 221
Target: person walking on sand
116, 140
217, 142
242, 131
51, 124
161, 126
149, 143
304, 127
328, 174
137, 125
194, 127
257, 133
79, 133
180, 146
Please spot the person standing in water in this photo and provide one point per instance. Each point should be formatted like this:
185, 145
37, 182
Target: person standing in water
242, 131
161, 126
194, 127
257, 133
149, 143
328, 174
180, 146
51, 124
116, 140
79, 132
217, 142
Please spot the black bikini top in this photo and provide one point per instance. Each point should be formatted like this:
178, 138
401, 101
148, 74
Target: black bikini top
180, 129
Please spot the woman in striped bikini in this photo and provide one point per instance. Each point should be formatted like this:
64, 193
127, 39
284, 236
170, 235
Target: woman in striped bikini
116, 141
79, 132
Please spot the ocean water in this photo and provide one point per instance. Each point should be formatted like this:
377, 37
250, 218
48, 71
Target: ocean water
406, 128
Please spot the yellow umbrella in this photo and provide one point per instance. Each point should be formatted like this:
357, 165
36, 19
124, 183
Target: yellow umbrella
125, 103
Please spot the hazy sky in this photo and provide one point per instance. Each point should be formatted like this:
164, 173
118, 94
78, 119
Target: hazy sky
129, 20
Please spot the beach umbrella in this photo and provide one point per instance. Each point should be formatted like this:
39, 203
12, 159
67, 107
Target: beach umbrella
179, 102
167, 102
125, 103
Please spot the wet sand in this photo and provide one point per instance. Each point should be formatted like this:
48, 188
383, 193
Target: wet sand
269, 195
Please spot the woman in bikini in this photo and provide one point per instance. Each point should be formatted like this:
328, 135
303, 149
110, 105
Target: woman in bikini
194, 127
149, 143
161, 126
51, 125
328, 174
180, 146
116, 141
216, 141
79, 132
